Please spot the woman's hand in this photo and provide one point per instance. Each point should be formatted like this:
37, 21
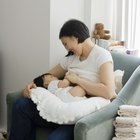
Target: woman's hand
72, 77
27, 89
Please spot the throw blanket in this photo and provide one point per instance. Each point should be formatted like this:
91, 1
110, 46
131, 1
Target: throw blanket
53, 109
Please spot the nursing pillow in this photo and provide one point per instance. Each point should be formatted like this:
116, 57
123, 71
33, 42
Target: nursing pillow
53, 109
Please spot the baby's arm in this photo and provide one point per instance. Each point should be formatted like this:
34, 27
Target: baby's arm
77, 91
63, 83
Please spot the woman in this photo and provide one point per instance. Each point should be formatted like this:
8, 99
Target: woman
90, 66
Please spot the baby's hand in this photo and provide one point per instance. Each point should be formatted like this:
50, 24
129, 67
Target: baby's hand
63, 83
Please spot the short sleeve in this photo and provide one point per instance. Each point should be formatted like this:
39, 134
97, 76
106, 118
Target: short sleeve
104, 57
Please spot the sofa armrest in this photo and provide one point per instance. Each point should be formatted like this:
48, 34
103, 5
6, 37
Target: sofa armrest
130, 92
99, 125
10, 99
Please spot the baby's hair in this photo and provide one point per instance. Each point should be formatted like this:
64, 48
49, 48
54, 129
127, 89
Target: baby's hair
39, 80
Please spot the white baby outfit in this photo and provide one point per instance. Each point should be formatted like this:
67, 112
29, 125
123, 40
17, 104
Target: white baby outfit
63, 93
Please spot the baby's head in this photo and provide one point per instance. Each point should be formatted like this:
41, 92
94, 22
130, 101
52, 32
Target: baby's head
44, 80
47, 78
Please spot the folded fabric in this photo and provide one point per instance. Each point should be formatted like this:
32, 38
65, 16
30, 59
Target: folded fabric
135, 130
126, 135
124, 122
129, 110
128, 120
55, 110
115, 138
125, 125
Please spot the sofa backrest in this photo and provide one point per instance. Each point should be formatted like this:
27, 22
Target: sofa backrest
125, 62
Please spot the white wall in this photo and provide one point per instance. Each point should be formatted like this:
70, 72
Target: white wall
24, 45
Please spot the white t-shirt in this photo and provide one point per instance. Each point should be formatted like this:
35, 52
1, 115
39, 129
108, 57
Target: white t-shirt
89, 67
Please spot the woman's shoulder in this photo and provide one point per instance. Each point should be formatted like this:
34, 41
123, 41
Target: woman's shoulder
102, 55
101, 50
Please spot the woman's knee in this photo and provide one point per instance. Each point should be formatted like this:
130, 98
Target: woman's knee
22, 104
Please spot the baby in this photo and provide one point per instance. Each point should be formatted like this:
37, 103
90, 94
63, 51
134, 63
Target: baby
61, 88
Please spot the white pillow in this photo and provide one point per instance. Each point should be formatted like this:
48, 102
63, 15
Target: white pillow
118, 75
55, 110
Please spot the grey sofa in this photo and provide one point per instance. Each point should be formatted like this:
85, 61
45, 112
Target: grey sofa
98, 125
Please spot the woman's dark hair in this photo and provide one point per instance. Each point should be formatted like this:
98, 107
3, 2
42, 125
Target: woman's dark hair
74, 28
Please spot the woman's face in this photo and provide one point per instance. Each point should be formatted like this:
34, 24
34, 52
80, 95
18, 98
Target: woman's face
71, 44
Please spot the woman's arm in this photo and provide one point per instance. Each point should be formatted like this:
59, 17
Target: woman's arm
103, 89
58, 71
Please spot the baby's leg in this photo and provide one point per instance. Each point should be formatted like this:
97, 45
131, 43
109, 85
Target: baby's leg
77, 91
